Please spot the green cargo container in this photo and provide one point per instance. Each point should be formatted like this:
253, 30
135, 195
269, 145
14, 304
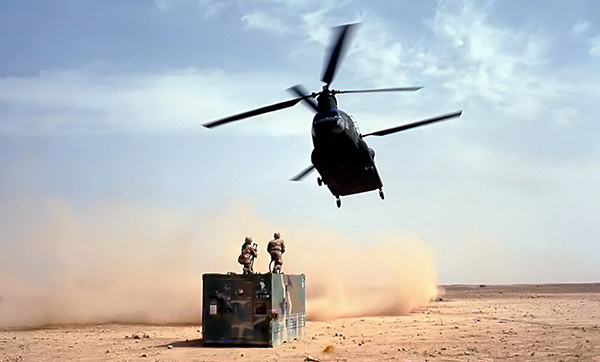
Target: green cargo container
253, 309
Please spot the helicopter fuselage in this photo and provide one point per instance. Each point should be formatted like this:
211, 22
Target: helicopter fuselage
344, 161
340, 155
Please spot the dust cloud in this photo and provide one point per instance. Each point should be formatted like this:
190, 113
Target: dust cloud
119, 262
390, 276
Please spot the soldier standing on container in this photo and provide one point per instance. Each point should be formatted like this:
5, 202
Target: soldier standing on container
276, 248
247, 256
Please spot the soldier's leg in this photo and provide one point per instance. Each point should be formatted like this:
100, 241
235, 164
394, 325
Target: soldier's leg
279, 263
277, 267
273, 262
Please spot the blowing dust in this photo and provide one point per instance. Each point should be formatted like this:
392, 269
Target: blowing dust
347, 278
118, 262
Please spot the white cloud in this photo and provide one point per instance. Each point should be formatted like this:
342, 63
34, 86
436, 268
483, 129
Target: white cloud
263, 21
580, 27
498, 64
467, 60
595, 46
180, 101
211, 7
566, 115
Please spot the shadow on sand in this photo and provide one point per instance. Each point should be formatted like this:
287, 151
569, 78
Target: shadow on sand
199, 343
188, 343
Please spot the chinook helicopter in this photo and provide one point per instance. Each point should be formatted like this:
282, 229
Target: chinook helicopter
343, 159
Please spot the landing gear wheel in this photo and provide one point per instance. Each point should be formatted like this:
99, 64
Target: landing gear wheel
338, 202
381, 194
319, 181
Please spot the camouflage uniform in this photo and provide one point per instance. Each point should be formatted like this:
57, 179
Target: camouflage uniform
276, 248
247, 256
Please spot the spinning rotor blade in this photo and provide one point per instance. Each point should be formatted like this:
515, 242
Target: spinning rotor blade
337, 52
413, 125
400, 89
302, 92
255, 112
303, 173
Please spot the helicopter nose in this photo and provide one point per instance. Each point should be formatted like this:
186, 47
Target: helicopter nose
328, 126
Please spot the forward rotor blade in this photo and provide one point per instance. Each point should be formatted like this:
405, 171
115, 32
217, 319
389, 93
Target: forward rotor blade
255, 112
337, 52
413, 125
302, 92
303, 173
399, 89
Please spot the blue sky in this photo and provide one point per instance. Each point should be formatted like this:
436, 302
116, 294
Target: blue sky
102, 102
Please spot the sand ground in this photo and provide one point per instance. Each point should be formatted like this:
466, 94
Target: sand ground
469, 323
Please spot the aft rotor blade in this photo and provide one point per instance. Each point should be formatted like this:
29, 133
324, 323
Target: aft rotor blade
302, 92
397, 89
255, 112
415, 124
337, 52
303, 174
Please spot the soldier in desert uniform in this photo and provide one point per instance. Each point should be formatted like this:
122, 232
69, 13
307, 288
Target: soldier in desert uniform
247, 256
276, 248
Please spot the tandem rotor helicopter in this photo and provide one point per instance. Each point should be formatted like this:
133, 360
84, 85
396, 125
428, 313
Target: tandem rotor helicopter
343, 159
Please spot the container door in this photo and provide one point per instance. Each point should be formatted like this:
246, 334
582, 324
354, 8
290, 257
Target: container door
240, 315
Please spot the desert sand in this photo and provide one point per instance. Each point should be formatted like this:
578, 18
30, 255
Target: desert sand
551, 322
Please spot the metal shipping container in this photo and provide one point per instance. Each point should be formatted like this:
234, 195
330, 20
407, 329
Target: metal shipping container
253, 309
